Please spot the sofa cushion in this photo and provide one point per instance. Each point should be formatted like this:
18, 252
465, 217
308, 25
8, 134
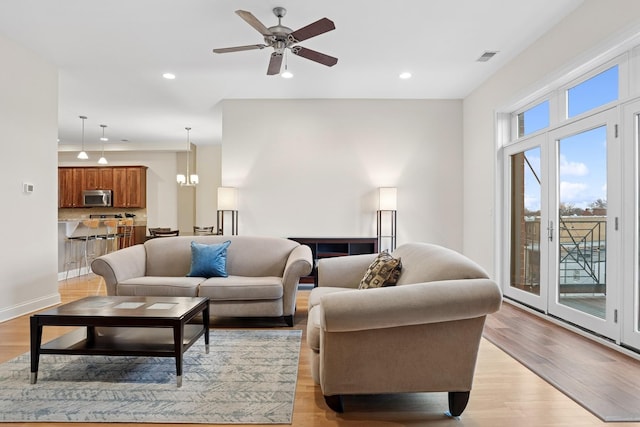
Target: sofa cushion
383, 271
242, 288
209, 260
160, 286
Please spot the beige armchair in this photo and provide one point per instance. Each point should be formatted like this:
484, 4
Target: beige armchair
421, 335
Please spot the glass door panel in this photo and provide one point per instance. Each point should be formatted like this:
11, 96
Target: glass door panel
525, 221
526, 245
582, 221
584, 256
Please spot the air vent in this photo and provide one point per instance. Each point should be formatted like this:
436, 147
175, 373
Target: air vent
487, 56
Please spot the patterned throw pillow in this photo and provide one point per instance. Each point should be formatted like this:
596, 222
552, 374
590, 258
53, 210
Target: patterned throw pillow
383, 271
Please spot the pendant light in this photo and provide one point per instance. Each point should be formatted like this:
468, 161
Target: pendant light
187, 180
82, 155
102, 160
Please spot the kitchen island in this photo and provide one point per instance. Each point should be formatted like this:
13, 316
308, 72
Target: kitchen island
95, 236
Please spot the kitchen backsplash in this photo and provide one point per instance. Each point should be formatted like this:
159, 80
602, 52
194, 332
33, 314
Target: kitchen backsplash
82, 213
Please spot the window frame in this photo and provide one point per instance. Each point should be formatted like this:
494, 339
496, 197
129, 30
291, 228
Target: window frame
562, 92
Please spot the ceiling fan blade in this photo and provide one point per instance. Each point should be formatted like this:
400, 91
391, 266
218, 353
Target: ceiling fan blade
319, 27
275, 63
254, 22
318, 57
239, 48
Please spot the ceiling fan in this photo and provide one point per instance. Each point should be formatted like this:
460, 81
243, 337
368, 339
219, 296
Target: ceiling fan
280, 38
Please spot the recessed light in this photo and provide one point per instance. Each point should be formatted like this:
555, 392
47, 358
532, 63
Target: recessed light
404, 76
169, 76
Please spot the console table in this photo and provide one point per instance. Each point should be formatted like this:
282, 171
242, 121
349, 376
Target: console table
325, 247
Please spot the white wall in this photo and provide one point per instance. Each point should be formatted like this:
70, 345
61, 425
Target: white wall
208, 167
312, 167
162, 195
592, 28
28, 133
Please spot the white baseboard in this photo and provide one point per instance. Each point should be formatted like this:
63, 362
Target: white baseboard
63, 275
29, 307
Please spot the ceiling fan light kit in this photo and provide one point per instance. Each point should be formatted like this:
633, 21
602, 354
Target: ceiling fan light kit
281, 38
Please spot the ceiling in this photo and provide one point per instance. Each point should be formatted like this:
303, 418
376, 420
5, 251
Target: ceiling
111, 55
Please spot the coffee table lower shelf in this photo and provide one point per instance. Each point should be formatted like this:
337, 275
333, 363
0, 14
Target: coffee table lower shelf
122, 341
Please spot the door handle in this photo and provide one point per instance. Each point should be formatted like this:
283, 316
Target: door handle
550, 231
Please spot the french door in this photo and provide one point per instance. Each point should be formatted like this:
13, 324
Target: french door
584, 224
563, 191
526, 207
630, 225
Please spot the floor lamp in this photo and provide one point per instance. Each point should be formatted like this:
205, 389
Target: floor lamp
228, 202
386, 218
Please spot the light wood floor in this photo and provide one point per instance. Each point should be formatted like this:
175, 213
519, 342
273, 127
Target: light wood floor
505, 394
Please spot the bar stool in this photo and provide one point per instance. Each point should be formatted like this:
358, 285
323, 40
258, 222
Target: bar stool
125, 233
111, 235
72, 249
89, 239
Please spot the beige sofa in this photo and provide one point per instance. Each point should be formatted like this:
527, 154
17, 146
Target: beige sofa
421, 335
263, 273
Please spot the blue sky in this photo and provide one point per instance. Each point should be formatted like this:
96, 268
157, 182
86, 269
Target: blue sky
582, 157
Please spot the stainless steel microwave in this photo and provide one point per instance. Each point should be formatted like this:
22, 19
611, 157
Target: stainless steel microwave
99, 198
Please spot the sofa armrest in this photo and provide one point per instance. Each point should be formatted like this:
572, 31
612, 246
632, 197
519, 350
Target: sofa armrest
343, 271
412, 304
299, 263
120, 265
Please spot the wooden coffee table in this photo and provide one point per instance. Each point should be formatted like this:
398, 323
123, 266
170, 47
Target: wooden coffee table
123, 326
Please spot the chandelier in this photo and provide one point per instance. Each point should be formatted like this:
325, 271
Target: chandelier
188, 180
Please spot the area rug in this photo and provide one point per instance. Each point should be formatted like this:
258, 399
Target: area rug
248, 377
602, 380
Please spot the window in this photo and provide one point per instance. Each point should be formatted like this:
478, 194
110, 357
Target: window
533, 119
594, 92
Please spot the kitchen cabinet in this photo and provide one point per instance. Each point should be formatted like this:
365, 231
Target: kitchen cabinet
70, 183
130, 187
98, 178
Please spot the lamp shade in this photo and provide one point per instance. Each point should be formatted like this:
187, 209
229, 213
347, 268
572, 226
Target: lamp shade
388, 198
227, 199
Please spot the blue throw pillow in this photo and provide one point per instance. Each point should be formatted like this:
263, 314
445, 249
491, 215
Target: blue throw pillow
209, 260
